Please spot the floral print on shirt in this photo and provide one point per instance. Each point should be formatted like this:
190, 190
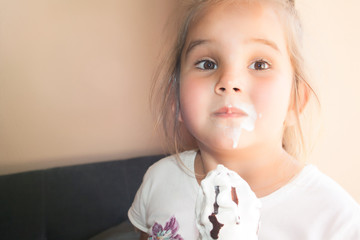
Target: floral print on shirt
169, 232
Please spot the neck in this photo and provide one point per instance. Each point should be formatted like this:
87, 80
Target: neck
265, 169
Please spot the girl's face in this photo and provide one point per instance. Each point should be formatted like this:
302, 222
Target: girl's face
236, 77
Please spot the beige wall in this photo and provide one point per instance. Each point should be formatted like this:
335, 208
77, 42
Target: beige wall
75, 75
332, 40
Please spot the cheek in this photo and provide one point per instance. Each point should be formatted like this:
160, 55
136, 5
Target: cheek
193, 95
272, 99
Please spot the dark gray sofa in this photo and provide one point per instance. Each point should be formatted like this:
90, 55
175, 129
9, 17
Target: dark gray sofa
69, 203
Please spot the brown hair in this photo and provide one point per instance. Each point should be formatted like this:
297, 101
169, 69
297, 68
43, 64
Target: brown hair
165, 92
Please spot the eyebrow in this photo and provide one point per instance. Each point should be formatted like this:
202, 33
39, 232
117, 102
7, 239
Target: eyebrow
264, 41
193, 44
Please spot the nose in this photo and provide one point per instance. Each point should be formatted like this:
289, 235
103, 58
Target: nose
228, 84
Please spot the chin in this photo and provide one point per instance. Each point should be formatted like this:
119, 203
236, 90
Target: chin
223, 141
227, 145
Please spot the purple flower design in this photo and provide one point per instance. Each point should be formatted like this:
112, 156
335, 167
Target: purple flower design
169, 232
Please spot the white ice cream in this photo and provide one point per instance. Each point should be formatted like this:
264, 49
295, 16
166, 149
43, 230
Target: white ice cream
239, 220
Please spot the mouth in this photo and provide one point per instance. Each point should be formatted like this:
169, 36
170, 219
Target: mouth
230, 112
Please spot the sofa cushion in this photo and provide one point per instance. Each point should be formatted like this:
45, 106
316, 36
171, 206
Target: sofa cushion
22, 206
123, 231
72, 203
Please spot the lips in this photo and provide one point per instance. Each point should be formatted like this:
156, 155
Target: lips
229, 111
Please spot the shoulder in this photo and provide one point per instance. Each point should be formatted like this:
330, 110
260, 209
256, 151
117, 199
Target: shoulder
317, 187
325, 187
315, 202
167, 192
171, 165
163, 186
330, 202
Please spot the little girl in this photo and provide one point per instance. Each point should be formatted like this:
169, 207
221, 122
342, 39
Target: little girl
236, 84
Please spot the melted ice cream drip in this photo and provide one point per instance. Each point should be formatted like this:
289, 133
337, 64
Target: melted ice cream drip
233, 130
235, 134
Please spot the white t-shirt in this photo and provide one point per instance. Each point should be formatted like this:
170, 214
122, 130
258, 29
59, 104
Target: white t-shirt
311, 207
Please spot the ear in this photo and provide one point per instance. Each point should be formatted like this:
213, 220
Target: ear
177, 111
299, 99
303, 95
180, 117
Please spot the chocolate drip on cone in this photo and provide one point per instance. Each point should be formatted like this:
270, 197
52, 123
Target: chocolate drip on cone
216, 205
214, 233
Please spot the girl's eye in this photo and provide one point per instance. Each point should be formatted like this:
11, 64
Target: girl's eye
206, 65
260, 65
